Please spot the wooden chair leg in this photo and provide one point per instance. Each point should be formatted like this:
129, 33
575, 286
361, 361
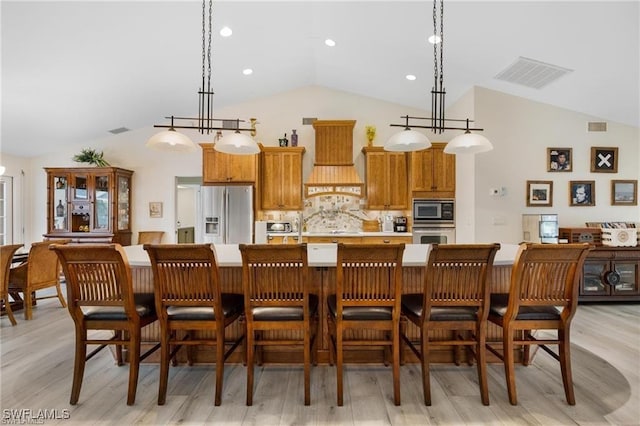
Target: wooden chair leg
219, 365
565, 365
134, 365
481, 361
165, 355
315, 343
60, 296
509, 368
387, 351
78, 364
7, 307
118, 334
403, 332
339, 361
307, 367
526, 354
250, 364
28, 304
396, 364
424, 357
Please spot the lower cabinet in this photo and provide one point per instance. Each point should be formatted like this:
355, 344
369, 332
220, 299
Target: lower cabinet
611, 274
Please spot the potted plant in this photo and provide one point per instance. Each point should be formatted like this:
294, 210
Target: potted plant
91, 156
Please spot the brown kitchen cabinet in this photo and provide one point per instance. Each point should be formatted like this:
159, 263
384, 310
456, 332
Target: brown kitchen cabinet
391, 239
279, 239
433, 173
611, 274
386, 177
221, 168
281, 178
89, 204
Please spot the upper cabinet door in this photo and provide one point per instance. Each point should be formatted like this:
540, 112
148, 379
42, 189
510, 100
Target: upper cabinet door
433, 173
281, 178
386, 179
221, 168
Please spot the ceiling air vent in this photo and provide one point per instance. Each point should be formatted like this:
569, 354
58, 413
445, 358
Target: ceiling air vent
531, 73
597, 126
118, 130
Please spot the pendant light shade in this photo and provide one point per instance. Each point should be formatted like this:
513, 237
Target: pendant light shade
407, 140
468, 143
170, 140
238, 144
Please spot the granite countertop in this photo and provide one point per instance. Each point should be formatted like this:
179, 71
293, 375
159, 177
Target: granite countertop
320, 255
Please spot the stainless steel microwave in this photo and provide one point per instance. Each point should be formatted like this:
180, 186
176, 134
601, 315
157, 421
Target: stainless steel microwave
433, 212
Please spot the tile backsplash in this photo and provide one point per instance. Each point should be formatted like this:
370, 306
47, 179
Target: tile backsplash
326, 213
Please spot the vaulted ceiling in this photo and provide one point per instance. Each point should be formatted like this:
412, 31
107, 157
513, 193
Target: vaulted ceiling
72, 71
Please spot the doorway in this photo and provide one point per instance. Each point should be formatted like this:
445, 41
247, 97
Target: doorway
187, 200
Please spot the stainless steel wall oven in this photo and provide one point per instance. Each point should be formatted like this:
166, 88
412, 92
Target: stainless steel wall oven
433, 221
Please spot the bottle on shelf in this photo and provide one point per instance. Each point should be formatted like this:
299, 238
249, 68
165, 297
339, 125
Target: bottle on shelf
294, 138
59, 209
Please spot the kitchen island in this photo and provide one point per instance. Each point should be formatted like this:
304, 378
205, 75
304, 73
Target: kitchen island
322, 262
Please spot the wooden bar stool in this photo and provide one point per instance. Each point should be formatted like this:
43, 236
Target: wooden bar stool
189, 299
101, 297
455, 298
543, 295
276, 284
368, 289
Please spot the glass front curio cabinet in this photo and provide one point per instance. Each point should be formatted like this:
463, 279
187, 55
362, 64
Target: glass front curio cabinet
89, 204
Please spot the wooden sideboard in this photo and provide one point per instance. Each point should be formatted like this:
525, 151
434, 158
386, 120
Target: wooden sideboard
611, 274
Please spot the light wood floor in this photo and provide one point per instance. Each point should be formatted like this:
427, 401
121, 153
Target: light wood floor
37, 363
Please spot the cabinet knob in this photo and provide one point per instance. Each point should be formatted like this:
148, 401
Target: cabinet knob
612, 278
386, 241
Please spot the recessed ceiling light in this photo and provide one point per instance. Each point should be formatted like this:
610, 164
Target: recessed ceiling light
226, 32
247, 71
410, 77
329, 42
435, 39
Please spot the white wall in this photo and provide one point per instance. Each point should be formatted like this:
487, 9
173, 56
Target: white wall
520, 131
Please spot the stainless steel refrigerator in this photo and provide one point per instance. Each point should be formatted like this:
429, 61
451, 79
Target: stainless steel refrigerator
225, 215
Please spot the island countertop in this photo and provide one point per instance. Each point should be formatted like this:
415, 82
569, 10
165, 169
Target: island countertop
320, 255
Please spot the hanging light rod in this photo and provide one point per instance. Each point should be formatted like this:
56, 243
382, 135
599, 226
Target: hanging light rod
407, 118
202, 127
406, 139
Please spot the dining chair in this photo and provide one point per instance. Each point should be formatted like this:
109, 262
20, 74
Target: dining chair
367, 296
150, 237
40, 271
189, 300
455, 298
543, 295
6, 255
275, 279
101, 297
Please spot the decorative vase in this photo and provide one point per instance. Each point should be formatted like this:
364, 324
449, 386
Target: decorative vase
294, 138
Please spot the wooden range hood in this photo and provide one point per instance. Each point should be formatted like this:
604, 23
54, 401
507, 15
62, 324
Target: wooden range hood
333, 170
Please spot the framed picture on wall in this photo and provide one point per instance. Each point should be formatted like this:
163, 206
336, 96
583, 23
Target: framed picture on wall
539, 193
155, 209
624, 192
582, 193
559, 159
604, 159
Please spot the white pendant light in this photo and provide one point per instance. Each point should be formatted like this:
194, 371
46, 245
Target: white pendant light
468, 143
410, 140
170, 140
407, 140
238, 144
